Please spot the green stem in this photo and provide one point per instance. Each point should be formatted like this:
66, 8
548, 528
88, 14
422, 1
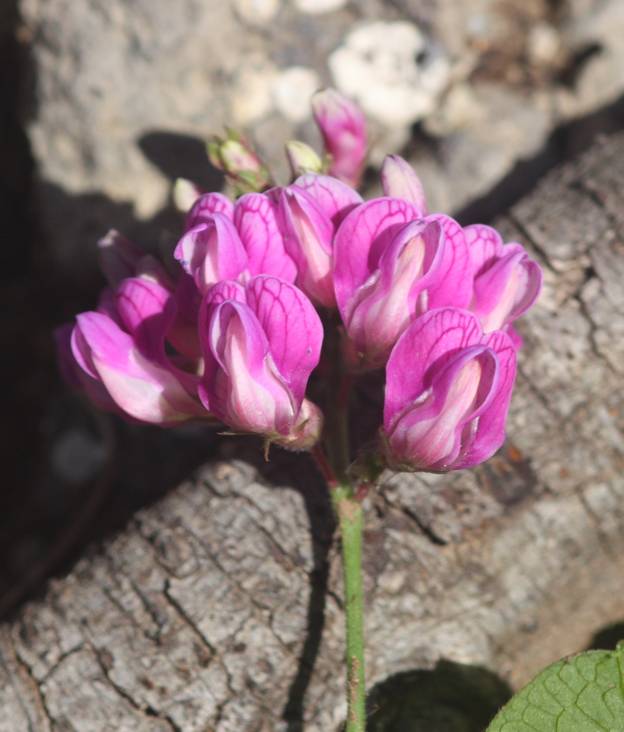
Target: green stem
351, 522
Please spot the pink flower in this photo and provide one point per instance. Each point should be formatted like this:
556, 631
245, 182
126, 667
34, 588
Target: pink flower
119, 356
390, 266
309, 212
506, 281
261, 342
205, 206
211, 251
233, 241
448, 388
343, 127
308, 238
255, 219
399, 180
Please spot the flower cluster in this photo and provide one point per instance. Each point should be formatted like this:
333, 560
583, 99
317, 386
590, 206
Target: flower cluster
236, 335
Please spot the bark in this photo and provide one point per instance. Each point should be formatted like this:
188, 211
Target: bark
219, 608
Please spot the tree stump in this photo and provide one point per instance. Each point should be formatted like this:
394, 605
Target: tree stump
219, 608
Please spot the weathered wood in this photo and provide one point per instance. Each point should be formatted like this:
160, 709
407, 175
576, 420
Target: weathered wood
220, 606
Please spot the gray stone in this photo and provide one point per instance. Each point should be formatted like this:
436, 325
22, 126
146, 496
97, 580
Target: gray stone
127, 93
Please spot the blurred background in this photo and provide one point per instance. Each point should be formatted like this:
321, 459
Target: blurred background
103, 103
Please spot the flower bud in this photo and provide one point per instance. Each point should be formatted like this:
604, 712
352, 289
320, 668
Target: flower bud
302, 158
448, 388
399, 180
343, 127
235, 156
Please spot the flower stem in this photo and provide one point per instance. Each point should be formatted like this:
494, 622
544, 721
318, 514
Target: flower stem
351, 522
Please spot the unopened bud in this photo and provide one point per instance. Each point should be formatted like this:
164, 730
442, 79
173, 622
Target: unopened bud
237, 159
302, 158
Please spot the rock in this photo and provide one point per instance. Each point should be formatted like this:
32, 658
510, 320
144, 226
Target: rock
127, 93
391, 70
292, 91
319, 6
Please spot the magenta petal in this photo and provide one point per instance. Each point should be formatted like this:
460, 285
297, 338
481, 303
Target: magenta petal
308, 234
490, 434
360, 241
454, 286
333, 197
206, 205
141, 388
221, 292
507, 288
428, 342
484, 245
343, 126
399, 180
243, 386
436, 430
212, 251
146, 310
292, 326
384, 305
255, 219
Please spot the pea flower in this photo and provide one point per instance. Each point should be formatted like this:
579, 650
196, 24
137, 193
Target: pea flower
261, 342
309, 212
120, 356
390, 266
399, 180
448, 388
506, 280
343, 127
211, 251
226, 241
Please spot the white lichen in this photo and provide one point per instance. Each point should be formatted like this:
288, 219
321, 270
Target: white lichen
392, 70
292, 90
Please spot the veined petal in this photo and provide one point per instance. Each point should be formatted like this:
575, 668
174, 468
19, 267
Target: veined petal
490, 434
308, 240
426, 346
141, 388
454, 285
507, 288
399, 180
146, 310
207, 205
255, 219
224, 291
244, 388
212, 251
292, 326
397, 293
438, 428
484, 244
333, 197
361, 240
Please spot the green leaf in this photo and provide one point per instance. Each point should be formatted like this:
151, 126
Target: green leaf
584, 693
